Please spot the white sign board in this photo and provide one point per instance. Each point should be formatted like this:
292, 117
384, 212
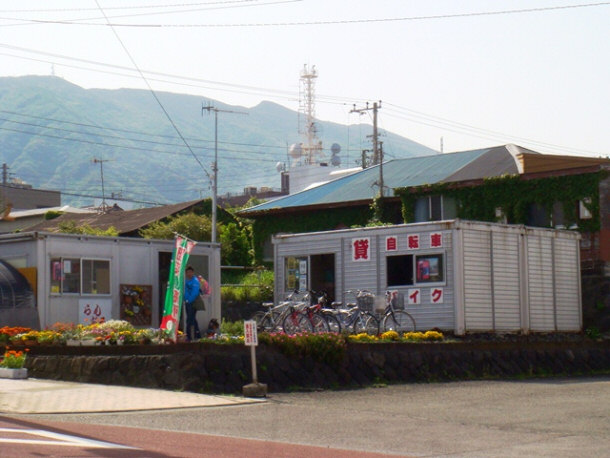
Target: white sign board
250, 333
94, 310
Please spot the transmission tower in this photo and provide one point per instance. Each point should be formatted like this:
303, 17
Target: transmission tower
307, 108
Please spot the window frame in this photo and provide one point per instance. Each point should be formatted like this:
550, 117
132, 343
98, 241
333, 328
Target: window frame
82, 279
414, 274
62, 275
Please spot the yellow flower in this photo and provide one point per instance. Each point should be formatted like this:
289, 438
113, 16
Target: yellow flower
389, 335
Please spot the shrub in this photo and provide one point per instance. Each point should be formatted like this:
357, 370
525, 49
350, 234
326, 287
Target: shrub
328, 348
232, 328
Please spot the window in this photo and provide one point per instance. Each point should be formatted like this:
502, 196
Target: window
296, 274
538, 216
435, 208
584, 206
405, 270
399, 270
76, 276
96, 277
430, 268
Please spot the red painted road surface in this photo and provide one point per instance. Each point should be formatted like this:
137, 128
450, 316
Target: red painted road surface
22, 438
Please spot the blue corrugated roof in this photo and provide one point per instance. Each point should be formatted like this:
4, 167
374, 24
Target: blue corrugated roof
414, 171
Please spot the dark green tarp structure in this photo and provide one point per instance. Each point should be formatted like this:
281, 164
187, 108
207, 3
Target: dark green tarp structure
17, 301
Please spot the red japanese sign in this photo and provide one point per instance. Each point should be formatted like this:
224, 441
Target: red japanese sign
361, 249
391, 243
413, 242
436, 295
436, 240
414, 296
250, 333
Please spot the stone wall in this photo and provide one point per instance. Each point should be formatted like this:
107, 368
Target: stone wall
210, 368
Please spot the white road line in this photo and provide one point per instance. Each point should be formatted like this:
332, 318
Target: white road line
60, 439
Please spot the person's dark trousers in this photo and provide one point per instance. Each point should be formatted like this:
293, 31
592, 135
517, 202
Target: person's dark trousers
192, 327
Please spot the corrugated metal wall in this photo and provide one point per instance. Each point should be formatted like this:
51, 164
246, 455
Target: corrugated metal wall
540, 283
567, 291
478, 312
514, 278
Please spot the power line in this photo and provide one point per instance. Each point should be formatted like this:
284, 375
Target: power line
333, 22
138, 7
180, 11
467, 129
153, 92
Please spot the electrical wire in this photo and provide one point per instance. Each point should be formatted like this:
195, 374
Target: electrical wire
329, 22
154, 94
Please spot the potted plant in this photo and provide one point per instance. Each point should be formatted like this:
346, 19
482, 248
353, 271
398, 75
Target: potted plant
12, 364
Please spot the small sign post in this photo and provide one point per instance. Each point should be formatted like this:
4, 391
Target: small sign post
251, 340
254, 389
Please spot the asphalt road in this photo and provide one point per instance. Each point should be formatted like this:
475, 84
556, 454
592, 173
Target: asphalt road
537, 418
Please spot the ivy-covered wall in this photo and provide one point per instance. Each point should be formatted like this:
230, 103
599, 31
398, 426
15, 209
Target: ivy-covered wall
514, 195
320, 220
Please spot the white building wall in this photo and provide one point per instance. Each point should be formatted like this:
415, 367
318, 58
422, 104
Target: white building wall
511, 278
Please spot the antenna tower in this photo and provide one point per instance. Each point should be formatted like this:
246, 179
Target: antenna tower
307, 107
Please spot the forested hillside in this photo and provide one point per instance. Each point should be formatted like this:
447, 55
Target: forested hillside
51, 130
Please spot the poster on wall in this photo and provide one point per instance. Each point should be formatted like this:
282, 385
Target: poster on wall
136, 304
94, 310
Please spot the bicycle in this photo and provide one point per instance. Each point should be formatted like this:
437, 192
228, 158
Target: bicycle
272, 319
394, 318
357, 317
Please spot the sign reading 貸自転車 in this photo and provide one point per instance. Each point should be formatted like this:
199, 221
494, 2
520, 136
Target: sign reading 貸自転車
250, 333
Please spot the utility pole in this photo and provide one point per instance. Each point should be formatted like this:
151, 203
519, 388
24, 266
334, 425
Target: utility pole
4, 174
210, 108
101, 163
377, 151
375, 109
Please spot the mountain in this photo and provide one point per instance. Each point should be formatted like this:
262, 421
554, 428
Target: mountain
51, 130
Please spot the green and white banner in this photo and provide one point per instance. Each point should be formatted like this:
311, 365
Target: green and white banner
175, 288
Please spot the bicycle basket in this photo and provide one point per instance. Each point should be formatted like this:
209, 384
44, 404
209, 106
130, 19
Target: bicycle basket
365, 302
398, 300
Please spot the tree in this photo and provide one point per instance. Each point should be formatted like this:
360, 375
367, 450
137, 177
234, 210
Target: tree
70, 227
195, 227
235, 238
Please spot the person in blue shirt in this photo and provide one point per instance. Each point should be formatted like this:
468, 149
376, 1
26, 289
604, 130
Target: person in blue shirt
191, 291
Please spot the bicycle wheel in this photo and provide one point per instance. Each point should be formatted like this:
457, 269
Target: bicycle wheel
399, 321
318, 323
259, 317
333, 323
367, 323
267, 324
296, 322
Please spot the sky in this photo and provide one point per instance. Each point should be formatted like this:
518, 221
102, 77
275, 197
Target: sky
462, 74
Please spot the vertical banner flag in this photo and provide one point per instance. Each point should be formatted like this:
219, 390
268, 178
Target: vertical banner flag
175, 287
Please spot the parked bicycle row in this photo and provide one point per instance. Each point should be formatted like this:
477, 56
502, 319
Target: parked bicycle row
313, 312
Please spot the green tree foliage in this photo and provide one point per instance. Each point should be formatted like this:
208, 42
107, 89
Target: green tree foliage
235, 237
70, 227
236, 241
195, 227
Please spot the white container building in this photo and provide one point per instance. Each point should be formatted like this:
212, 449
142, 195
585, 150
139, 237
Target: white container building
459, 276
77, 278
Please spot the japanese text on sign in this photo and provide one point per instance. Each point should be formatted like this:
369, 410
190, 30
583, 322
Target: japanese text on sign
436, 240
94, 310
436, 295
414, 296
391, 243
250, 334
413, 242
361, 249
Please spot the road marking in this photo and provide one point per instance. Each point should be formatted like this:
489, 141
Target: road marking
59, 439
